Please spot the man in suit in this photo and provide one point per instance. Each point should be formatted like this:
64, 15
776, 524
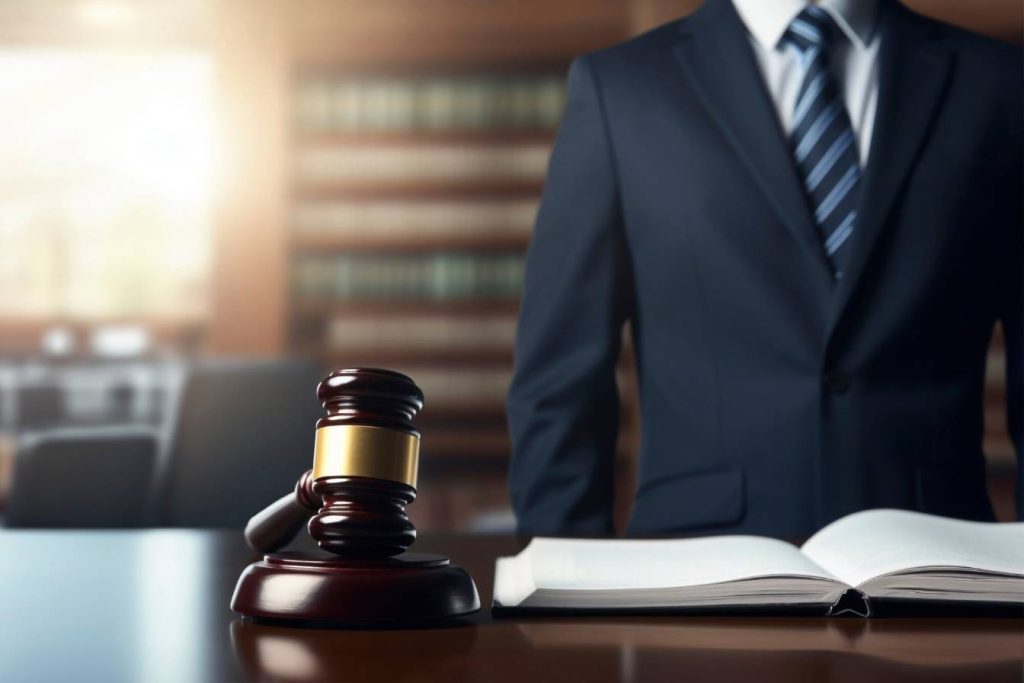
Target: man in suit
811, 218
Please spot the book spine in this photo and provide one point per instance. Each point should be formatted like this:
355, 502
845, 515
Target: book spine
477, 388
852, 603
382, 104
416, 218
420, 332
439, 276
436, 163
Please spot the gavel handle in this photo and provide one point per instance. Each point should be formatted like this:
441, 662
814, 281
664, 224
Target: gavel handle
278, 523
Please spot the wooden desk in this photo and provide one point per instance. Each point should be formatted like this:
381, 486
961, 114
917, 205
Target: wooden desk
153, 606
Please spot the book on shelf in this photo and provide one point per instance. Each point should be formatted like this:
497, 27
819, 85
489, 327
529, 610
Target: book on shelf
419, 332
478, 389
416, 218
435, 163
383, 103
869, 557
439, 276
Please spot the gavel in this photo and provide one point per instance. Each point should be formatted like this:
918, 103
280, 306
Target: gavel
365, 465
365, 462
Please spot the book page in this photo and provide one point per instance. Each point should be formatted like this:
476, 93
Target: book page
868, 544
587, 565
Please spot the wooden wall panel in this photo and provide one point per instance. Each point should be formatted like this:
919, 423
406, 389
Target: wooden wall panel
250, 246
470, 33
1003, 19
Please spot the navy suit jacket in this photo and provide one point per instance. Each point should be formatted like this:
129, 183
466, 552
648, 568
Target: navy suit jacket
774, 399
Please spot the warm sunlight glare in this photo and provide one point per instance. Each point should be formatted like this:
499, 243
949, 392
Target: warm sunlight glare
106, 178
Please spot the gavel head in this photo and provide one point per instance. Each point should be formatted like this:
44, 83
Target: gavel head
366, 458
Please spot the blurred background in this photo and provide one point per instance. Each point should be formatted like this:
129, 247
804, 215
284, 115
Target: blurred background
205, 205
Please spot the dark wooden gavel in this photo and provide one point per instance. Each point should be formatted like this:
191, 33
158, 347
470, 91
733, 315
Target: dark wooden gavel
277, 524
364, 472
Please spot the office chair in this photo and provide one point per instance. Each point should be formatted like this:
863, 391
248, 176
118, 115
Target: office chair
243, 434
82, 477
40, 406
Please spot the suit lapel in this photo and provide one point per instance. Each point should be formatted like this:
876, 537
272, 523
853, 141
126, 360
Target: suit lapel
912, 70
715, 56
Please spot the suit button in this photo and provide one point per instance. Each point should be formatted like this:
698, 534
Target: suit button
836, 382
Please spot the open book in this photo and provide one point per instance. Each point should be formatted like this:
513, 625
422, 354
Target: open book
871, 555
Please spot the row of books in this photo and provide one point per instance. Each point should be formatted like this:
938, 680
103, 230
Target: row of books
430, 103
433, 163
439, 276
480, 388
421, 332
474, 503
416, 217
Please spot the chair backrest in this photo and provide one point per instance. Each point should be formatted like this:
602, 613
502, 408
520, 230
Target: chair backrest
40, 406
243, 435
89, 477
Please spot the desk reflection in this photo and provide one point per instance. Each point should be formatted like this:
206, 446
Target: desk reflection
296, 655
769, 649
631, 649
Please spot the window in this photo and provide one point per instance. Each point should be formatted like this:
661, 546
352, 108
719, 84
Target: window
106, 175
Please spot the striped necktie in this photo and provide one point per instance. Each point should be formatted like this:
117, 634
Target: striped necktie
821, 137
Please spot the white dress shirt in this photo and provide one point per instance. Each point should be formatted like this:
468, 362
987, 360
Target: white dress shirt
854, 59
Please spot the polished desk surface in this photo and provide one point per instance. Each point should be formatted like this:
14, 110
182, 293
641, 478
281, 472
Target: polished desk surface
153, 606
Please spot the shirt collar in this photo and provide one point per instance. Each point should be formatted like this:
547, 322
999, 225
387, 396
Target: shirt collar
767, 20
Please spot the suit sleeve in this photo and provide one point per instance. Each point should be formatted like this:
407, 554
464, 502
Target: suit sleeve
1012, 309
1013, 334
563, 401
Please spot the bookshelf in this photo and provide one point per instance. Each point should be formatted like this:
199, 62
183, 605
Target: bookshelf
412, 175
414, 195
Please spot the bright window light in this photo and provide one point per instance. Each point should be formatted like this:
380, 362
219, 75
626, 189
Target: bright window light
106, 178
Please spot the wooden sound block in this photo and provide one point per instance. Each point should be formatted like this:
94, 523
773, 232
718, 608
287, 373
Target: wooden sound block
407, 589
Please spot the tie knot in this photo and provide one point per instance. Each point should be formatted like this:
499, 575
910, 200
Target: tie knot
812, 28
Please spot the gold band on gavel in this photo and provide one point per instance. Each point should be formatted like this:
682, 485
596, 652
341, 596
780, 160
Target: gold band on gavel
363, 451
